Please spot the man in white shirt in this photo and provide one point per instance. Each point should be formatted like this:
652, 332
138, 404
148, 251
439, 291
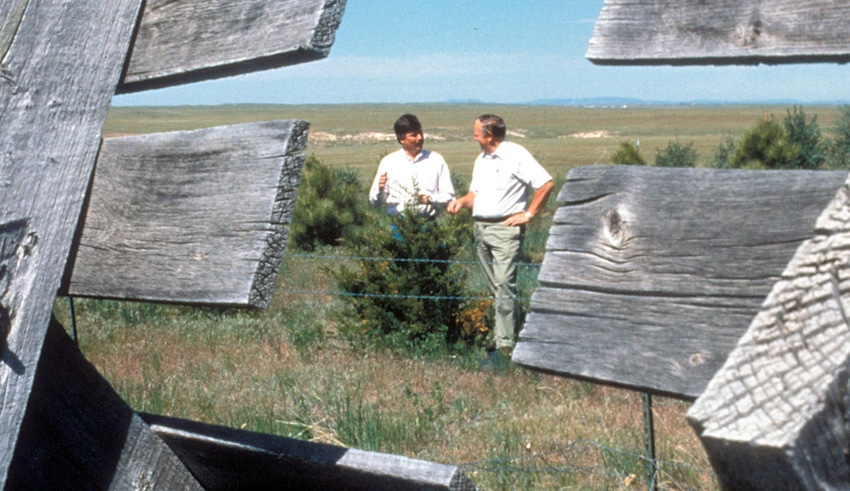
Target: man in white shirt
412, 175
502, 178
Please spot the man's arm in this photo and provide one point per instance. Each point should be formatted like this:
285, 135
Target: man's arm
465, 202
377, 193
445, 191
538, 201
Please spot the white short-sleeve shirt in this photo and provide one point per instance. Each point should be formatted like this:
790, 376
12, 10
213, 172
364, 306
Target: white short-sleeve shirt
502, 181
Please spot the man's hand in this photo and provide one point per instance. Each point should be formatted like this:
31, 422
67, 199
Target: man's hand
466, 201
382, 181
517, 219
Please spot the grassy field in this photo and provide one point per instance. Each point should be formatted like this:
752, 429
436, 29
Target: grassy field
561, 137
286, 371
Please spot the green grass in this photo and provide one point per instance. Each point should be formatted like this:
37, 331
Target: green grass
287, 371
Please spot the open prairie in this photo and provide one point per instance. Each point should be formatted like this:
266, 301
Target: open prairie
287, 371
561, 137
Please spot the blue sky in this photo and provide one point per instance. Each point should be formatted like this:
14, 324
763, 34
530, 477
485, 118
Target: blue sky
499, 51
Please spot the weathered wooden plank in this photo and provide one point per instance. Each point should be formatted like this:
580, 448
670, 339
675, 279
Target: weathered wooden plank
194, 217
775, 415
654, 32
229, 459
79, 434
651, 275
59, 70
181, 41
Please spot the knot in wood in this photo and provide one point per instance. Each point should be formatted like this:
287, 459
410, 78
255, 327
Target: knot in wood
748, 34
698, 359
29, 244
614, 228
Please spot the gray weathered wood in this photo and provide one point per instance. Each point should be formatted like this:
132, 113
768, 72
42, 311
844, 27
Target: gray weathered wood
652, 32
229, 459
651, 275
79, 434
191, 216
180, 41
775, 415
59, 70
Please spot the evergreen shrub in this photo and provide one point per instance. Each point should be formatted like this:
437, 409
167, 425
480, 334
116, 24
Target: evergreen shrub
628, 154
405, 292
677, 154
330, 205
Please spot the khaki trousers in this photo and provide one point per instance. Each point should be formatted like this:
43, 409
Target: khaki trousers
498, 247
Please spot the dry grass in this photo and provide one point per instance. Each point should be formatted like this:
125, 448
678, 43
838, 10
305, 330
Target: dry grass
286, 371
251, 370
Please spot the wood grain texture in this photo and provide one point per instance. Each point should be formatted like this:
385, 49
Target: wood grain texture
57, 78
651, 275
181, 41
198, 217
775, 415
79, 434
228, 460
654, 32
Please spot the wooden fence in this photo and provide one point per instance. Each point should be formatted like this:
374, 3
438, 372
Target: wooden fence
730, 287
674, 264
196, 217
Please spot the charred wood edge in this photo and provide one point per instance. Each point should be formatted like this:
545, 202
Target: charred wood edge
79, 434
692, 40
224, 458
323, 39
262, 286
775, 416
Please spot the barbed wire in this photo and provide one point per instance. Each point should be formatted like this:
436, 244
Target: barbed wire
400, 296
390, 295
396, 259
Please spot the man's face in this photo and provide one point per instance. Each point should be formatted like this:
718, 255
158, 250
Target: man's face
412, 142
485, 141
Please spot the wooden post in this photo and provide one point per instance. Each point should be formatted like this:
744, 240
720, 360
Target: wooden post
62, 425
651, 275
61, 62
189, 40
775, 415
195, 217
226, 459
655, 32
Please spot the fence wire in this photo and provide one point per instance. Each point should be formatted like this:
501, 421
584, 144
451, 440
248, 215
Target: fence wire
581, 464
526, 282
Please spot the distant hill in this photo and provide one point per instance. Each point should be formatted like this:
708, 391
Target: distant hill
625, 101
595, 102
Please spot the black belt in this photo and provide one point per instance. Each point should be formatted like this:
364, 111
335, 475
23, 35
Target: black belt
490, 220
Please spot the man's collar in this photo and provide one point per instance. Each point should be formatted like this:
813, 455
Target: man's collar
495, 152
421, 155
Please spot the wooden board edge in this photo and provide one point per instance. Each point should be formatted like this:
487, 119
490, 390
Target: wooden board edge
223, 457
323, 38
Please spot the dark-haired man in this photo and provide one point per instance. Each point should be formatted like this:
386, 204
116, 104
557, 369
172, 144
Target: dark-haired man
412, 175
503, 176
